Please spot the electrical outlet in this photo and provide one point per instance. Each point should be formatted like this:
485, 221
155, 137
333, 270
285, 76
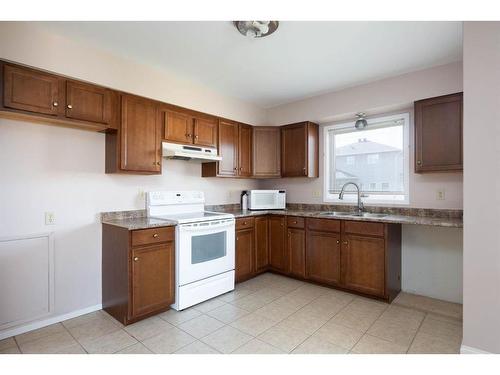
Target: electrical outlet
316, 193
440, 195
50, 218
142, 193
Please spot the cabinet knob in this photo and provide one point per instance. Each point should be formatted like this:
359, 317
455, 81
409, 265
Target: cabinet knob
235, 168
155, 235
157, 163
241, 168
344, 242
196, 137
338, 241
244, 223
419, 162
136, 259
70, 106
55, 104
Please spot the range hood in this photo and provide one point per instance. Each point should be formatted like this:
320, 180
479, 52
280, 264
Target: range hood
189, 152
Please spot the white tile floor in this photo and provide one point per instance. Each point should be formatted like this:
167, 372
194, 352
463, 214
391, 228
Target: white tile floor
268, 314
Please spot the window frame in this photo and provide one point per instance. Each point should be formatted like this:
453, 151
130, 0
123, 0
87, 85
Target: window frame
371, 199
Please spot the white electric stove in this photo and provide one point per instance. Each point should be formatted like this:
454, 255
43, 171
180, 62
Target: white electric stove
204, 245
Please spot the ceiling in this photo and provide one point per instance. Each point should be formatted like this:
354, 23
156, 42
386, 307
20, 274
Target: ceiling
301, 59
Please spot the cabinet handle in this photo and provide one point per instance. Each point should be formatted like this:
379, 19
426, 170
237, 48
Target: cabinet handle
157, 163
55, 104
244, 223
419, 162
237, 238
344, 242
136, 259
70, 106
155, 235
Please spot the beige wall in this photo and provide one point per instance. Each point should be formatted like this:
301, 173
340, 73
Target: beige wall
481, 186
385, 96
47, 168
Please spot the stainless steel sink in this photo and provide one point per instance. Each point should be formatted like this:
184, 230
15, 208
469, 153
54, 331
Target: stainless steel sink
369, 214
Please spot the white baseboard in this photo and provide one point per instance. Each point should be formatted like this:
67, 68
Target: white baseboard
464, 349
46, 322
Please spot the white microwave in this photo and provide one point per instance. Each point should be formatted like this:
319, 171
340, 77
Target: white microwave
266, 199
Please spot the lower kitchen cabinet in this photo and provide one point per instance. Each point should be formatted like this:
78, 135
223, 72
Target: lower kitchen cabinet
245, 253
323, 256
296, 251
277, 250
363, 264
261, 243
138, 272
152, 287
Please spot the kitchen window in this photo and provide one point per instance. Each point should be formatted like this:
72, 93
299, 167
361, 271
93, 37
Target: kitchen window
376, 158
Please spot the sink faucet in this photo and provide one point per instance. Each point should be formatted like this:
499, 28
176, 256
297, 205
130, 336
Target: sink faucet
341, 195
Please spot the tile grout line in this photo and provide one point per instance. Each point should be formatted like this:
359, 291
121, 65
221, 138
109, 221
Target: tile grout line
416, 332
74, 338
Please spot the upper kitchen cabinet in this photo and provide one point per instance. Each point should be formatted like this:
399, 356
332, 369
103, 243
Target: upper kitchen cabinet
266, 151
33, 91
245, 150
46, 97
89, 102
438, 134
136, 147
205, 132
184, 128
299, 150
178, 127
235, 148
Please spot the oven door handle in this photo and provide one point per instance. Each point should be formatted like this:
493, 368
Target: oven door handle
215, 225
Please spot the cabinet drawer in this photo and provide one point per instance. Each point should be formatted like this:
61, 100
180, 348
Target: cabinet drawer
362, 227
152, 236
244, 223
326, 225
295, 222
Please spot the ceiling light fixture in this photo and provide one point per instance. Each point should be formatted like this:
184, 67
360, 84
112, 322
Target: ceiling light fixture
361, 122
256, 29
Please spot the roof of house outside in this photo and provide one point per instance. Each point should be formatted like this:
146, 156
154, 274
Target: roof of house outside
364, 146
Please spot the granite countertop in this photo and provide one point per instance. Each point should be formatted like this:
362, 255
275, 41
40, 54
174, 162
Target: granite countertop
132, 220
137, 219
390, 218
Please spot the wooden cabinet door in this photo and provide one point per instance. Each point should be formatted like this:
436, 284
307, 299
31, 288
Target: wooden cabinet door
228, 148
438, 134
261, 243
88, 102
277, 254
323, 257
363, 264
245, 151
244, 265
32, 91
205, 132
153, 278
140, 135
178, 127
294, 150
296, 249
266, 151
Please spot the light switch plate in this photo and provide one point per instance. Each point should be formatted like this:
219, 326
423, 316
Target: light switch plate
50, 218
316, 193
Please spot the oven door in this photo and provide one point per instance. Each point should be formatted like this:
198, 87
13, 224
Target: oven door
205, 249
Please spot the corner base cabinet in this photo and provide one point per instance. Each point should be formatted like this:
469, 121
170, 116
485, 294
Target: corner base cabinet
138, 266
